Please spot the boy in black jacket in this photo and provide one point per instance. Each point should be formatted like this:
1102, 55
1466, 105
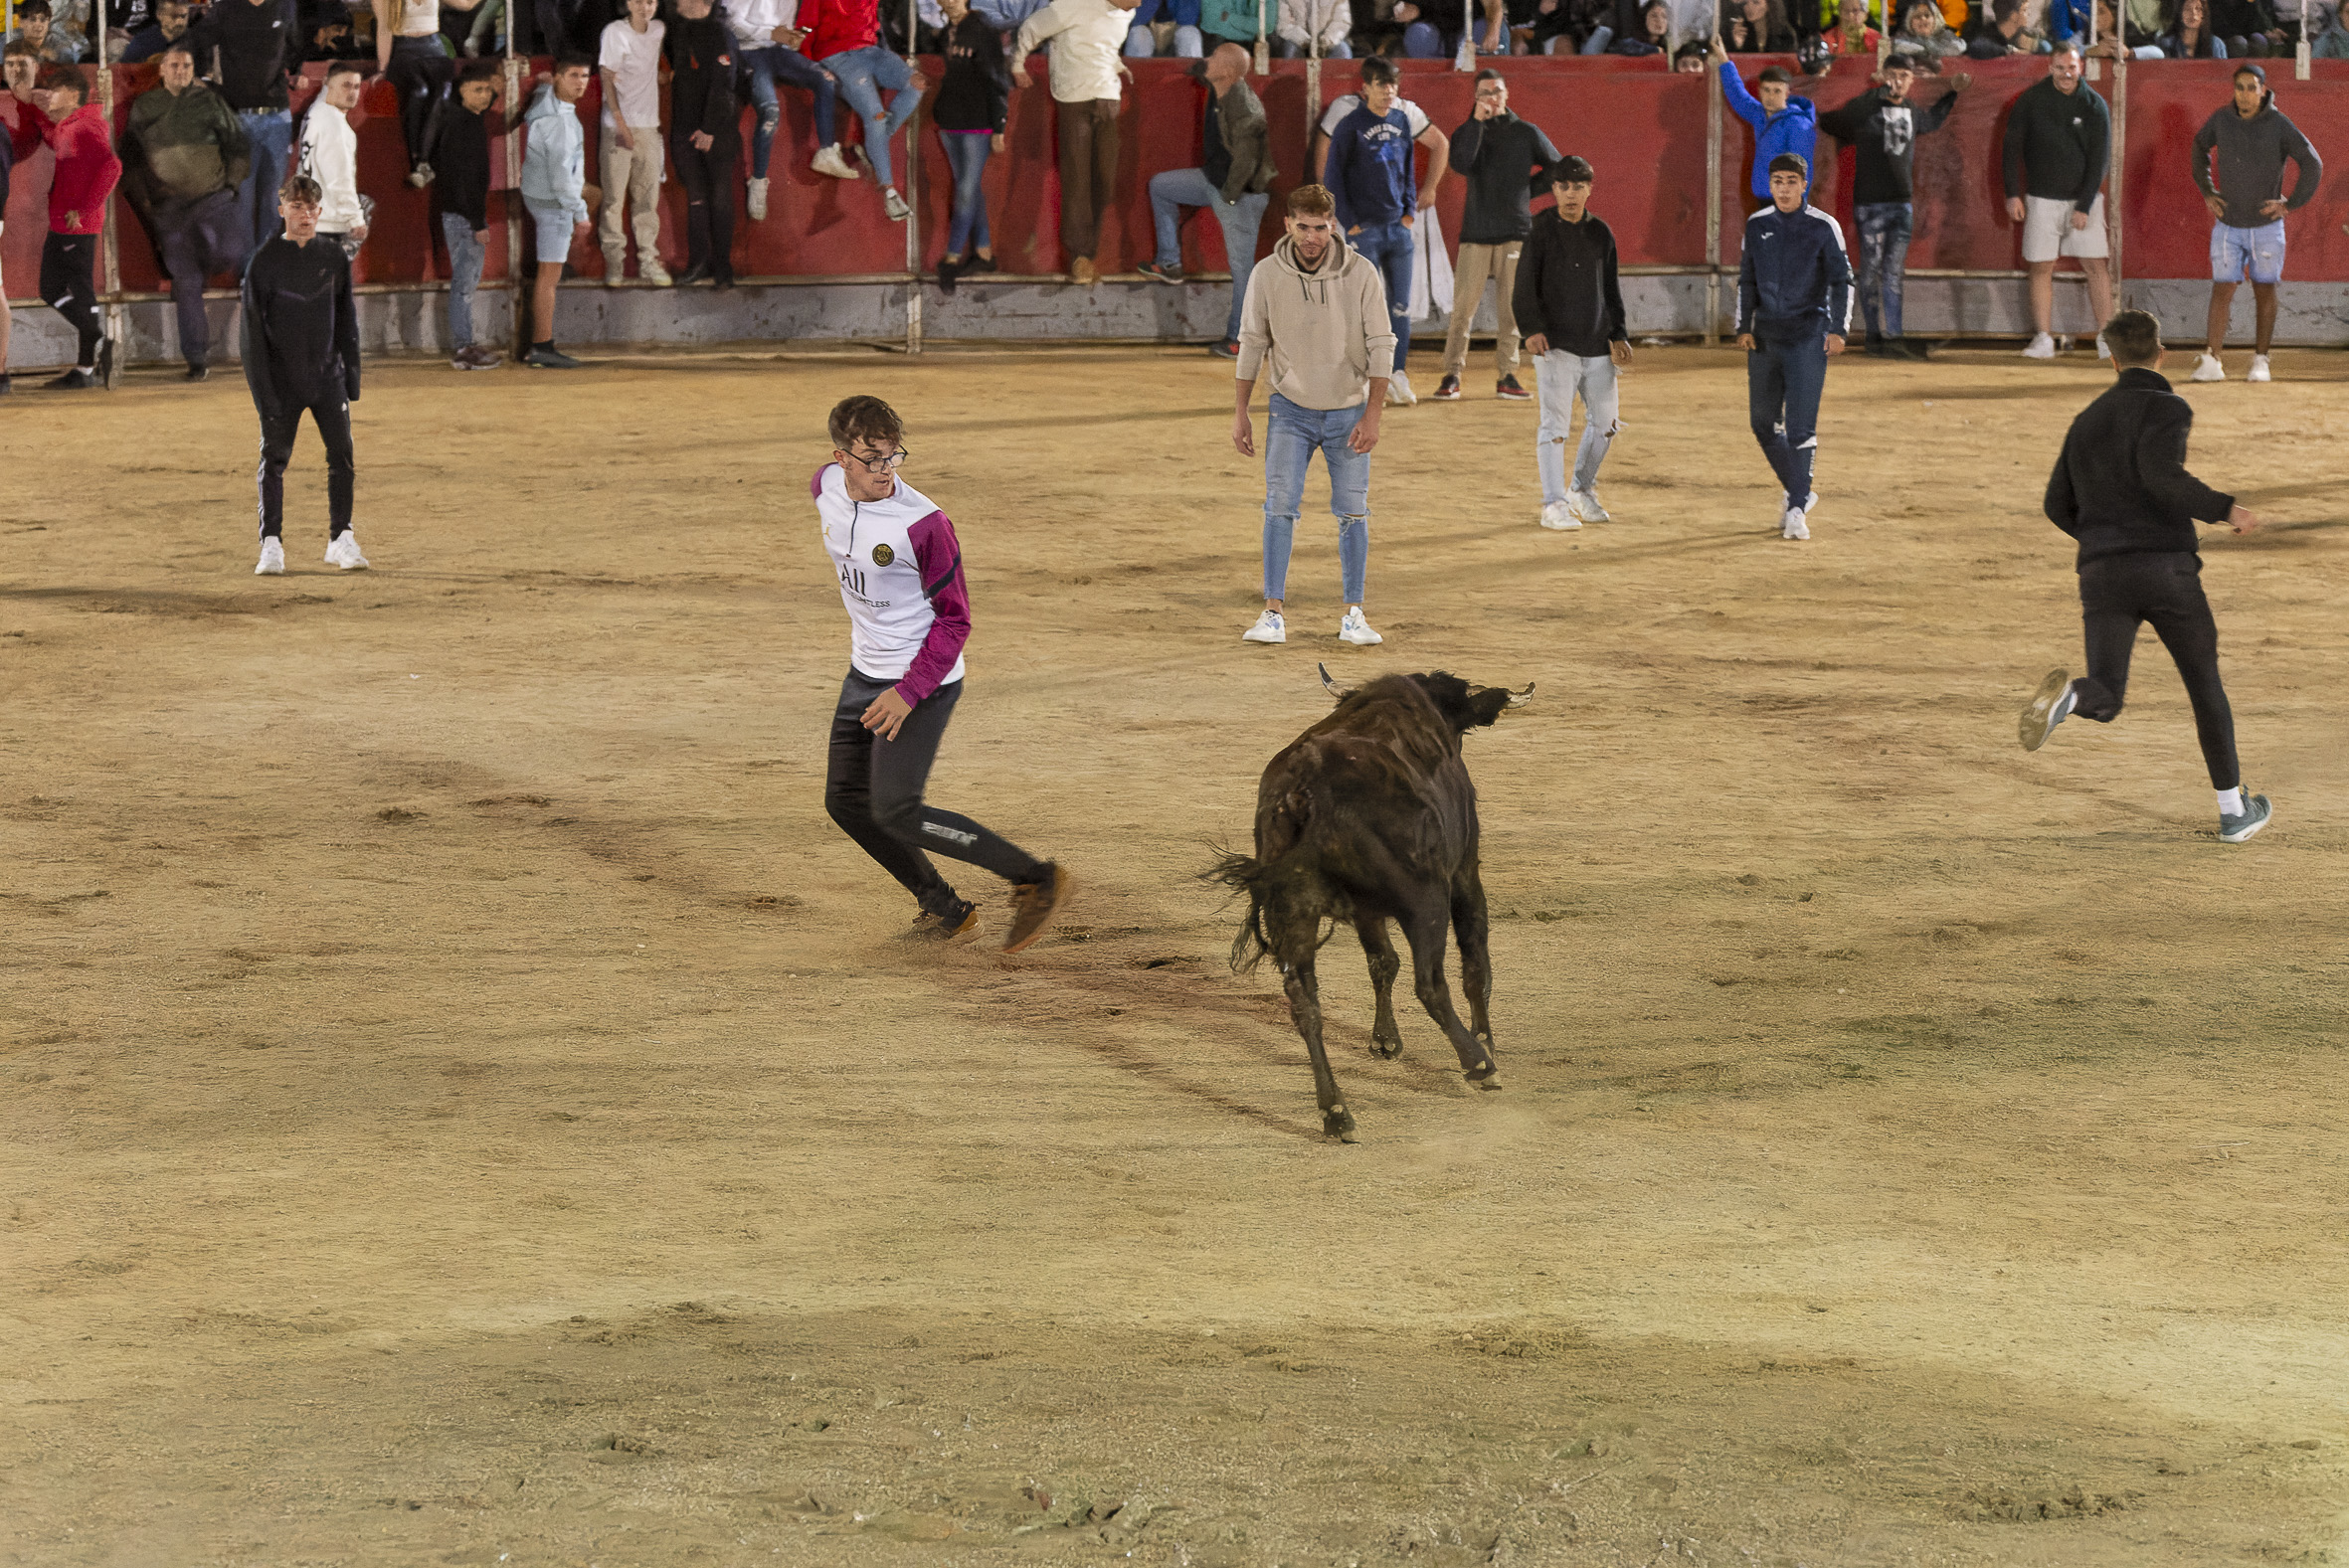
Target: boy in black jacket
1881, 126
704, 140
301, 351
460, 166
1569, 302
1506, 161
2121, 489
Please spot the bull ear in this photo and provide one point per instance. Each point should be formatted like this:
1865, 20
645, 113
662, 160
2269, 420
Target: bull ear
1486, 703
1337, 692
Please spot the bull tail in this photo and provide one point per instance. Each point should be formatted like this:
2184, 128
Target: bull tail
1243, 874
1288, 901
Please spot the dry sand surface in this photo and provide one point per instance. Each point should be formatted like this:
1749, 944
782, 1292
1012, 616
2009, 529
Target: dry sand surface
466, 1103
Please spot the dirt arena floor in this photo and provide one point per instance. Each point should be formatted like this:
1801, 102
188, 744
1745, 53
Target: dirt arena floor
465, 1103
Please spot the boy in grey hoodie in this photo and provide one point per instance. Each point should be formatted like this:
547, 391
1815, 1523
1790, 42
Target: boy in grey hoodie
554, 189
2252, 140
1317, 310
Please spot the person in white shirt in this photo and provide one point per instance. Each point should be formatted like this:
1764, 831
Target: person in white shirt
1303, 20
330, 155
1087, 38
770, 52
631, 63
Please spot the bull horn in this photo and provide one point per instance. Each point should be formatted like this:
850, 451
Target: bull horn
1337, 692
1517, 699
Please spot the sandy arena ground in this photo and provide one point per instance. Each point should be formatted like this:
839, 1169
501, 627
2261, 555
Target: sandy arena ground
465, 1103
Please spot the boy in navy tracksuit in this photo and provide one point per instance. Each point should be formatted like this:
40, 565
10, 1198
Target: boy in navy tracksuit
1369, 173
1794, 304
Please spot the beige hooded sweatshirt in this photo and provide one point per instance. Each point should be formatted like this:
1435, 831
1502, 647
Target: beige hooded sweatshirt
1327, 332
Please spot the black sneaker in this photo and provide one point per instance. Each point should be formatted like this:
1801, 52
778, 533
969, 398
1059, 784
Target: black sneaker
1510, 389
105, 363
1160, 274
550, 359
2048, 705
5, 389
75, 380
948, 267
2255, 812
958, 920
1913, 348
1034, 906
975, 264
1448, 389
698, 273
198, 373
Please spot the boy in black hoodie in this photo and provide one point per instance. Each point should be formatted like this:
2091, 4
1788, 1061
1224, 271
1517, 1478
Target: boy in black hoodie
2121, 489
704, 140
302, 352
460, 166
1569, 303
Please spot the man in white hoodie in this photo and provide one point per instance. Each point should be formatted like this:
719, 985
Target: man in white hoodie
1317, 311
554, 193
330, 155
1088, 39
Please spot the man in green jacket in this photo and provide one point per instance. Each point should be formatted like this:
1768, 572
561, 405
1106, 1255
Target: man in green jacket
183, 157
1233, 181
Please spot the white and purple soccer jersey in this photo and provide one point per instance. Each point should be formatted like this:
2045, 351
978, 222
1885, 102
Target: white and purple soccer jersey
901, 578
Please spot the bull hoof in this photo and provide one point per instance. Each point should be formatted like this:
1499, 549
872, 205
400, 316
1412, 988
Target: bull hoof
1481, 1074
1338, 1122
1487, 1083
1387, 1050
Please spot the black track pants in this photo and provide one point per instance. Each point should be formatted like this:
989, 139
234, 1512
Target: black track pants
69, 287
333, 419
2118, 594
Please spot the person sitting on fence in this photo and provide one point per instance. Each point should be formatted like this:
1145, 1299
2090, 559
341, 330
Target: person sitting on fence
170, 25
1761, 27
2248, 27
629, 60
57, 111
34, 27
1422, 37
768, 45
1559, 27
1086, 36
1164, 27
1234, 180
184, 154
843, 37
1781, 121
1302, 21
1502, 158
248, 48
973, 105
413, 56
461, 157
1225, 21
2190, 37
704, 141
2327, 38
1651, 32
331, 156
2008, 29
554, 192
1925, 35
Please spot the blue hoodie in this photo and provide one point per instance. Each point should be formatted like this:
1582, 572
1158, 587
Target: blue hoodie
1794, 129
1370, 169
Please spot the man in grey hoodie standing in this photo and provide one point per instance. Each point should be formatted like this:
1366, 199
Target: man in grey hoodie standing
2252, 140
1317, 311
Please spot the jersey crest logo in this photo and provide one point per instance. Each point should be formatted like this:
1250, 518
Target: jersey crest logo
883, 555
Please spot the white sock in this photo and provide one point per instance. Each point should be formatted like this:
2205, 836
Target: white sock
2231, 801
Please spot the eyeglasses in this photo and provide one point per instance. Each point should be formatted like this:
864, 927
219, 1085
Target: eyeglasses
895, 459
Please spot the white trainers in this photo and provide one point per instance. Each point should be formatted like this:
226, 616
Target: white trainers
273, 559
2208, 368
2041, 347
1560, 515
1398, 390
1792, 526
1585, 505
756, 204
828, 160
1269, 627
894, 205
1355, 629
651, 271
2259, 369
2103, 349
344, 552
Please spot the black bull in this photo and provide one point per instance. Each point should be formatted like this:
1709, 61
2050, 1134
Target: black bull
1370, 816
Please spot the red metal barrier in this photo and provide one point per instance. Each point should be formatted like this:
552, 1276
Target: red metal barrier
1643, 129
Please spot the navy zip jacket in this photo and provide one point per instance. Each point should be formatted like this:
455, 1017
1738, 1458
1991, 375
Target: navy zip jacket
2120, 486
1370, 169
1794, 281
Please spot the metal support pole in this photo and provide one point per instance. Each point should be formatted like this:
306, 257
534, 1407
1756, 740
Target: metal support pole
912, 185
1713, 199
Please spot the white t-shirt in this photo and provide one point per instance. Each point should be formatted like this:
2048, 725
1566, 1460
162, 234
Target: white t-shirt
634, 58
1339, 107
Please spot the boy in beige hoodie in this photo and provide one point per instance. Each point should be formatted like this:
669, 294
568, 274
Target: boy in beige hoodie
1316, 309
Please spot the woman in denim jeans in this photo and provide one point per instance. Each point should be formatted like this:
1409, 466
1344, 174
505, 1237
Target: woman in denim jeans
973, 102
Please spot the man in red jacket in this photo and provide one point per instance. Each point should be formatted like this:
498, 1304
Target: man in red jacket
57, 111
843, 37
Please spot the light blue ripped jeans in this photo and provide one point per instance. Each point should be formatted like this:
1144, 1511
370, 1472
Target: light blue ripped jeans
1561, 378
1294, 434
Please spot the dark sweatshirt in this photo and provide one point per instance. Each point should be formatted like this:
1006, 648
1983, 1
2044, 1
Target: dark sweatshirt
1502, 159
1883, 137
1370, 169
300, 343
181, 148
976, 93
2065, 139
2250, 162
2120, 486
702, 94
247, 48
1566, 286
460, 163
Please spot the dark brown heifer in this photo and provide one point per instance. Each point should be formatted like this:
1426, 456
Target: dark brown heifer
1370, 816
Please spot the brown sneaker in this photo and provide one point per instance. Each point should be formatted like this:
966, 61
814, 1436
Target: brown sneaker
958, 924
1035, 905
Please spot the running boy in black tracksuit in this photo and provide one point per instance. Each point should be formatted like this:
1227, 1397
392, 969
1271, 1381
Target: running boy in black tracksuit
2122, 490
1794, 304
302, 352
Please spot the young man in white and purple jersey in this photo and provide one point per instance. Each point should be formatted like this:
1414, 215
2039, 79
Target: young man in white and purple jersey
900, 570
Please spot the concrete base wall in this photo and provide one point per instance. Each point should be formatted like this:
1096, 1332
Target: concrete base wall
587, 315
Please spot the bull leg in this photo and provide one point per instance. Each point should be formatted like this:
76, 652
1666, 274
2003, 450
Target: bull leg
1425, 930
1304, 1007
1472, 930
1385, 1039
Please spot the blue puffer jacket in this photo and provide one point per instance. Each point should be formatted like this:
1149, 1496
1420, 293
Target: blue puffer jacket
1794, 129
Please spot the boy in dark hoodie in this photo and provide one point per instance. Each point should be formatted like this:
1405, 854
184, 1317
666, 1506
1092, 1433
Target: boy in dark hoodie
2251, 139
460, 186
301, 354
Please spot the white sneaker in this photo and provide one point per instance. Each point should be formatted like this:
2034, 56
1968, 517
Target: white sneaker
1585, 505
1269, 627
2103, 349
2041, 347
344, 552
756, 205
1560, 515
1810, 502
828, 160
273, 559
2259, 369
1355, 629
2208, 368
1398, 390
894, 205
651, 271
1792, 526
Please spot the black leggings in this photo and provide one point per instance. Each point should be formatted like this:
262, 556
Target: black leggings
2118, 594
708, 178
421, 71
333, 418
68, 286
873, 789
